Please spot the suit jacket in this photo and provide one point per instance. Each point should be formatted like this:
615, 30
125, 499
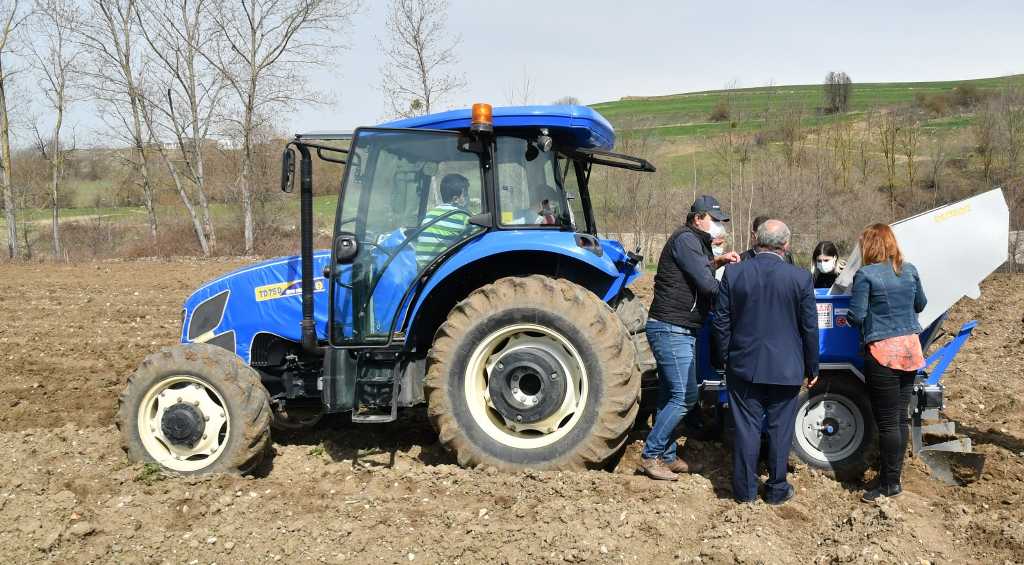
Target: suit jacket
766, 322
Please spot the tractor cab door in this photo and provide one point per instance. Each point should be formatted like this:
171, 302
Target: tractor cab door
406, 200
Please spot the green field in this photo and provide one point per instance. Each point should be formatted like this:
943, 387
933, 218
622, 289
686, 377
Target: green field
684, 115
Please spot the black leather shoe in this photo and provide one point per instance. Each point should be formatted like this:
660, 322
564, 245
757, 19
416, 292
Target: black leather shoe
882, 491
790, 493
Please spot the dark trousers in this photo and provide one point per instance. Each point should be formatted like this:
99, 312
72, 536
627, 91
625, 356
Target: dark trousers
756, 408
890, 391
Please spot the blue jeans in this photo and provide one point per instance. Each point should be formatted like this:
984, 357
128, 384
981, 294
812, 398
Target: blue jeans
675, 351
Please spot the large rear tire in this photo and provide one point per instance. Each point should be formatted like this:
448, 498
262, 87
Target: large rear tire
835, 431
195, 408
535, 373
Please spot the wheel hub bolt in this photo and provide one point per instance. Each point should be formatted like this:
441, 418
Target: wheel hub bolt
519, 417
554, 376
501, 366
195, 403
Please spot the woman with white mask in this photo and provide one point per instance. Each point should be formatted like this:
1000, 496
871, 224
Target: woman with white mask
827, 264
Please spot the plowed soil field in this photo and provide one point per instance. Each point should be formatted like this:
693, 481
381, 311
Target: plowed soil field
70, 335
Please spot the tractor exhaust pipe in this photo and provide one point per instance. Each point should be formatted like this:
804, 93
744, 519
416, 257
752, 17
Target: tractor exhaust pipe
309, 339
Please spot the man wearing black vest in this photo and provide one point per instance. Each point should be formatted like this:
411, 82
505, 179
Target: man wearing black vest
684, 290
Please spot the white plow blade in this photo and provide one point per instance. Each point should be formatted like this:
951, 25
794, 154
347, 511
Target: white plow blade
954, 248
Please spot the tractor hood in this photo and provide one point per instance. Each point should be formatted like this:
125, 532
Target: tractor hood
265, 297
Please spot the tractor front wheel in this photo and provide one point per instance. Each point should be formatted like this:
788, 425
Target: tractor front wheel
195, 408
533, 372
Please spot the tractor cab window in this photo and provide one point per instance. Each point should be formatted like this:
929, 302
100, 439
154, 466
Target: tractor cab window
573, 194
530, 191
407, 199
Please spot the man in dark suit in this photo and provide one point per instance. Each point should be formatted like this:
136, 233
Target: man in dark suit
766, 332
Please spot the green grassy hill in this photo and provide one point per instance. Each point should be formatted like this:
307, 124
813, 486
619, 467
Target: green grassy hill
683, 115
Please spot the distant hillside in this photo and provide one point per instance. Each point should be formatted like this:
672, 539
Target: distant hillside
688, 114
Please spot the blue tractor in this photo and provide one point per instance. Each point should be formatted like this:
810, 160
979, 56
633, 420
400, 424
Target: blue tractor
465, 273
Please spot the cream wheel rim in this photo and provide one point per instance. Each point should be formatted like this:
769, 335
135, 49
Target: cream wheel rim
202, 398
485, 358
830, 428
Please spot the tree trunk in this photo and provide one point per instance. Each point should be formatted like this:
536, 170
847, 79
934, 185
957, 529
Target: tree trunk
54, 187
56, 167
5, 171
247, 173
143, 163
197, 226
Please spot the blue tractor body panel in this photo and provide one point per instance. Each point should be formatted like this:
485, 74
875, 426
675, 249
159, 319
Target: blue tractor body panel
262, 298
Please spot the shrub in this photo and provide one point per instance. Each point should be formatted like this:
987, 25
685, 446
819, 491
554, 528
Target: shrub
720, 112
935, 104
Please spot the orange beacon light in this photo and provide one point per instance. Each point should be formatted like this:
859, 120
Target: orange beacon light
483, 118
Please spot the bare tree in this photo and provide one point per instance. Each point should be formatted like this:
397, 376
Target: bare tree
520, 94
55, 59
13, 14
261, 49
837, 89
909, 137
116, 80
189, 93
153, 130
985, 128
938, 154
1011, 111
888, 126
419, 53
567, 101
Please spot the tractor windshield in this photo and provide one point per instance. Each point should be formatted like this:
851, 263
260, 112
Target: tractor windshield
533, 191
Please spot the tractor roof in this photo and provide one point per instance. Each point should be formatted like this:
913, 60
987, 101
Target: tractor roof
574, 126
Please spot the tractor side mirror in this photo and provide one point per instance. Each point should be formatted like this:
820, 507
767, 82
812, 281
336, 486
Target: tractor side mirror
346, 246
287, 170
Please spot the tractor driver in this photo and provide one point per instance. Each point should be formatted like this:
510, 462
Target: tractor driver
440, 235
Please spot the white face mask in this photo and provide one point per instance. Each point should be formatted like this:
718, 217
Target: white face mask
716, 229
718, 250
826, 266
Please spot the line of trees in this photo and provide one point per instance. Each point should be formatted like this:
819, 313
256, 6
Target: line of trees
165, 76
826, 180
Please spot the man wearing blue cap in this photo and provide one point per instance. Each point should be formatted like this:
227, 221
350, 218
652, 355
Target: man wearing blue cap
684, 290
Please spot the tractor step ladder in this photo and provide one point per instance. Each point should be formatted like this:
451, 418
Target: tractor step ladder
377, 387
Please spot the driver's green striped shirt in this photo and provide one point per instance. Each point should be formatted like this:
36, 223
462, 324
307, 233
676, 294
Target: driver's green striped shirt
439, 236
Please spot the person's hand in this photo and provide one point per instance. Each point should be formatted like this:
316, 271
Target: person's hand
726, 258
812, 380
840, 265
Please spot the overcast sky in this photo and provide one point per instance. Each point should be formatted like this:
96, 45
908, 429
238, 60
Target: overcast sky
601, 50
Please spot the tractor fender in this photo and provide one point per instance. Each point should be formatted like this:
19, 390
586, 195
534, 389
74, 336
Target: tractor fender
521, 253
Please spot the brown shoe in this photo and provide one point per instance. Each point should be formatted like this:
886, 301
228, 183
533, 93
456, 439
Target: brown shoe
680, 467
656, 469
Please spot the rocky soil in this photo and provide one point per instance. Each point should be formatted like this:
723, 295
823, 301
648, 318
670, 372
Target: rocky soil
69, 335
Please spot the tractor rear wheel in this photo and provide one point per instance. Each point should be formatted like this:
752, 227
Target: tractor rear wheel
535, 373
195, 408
